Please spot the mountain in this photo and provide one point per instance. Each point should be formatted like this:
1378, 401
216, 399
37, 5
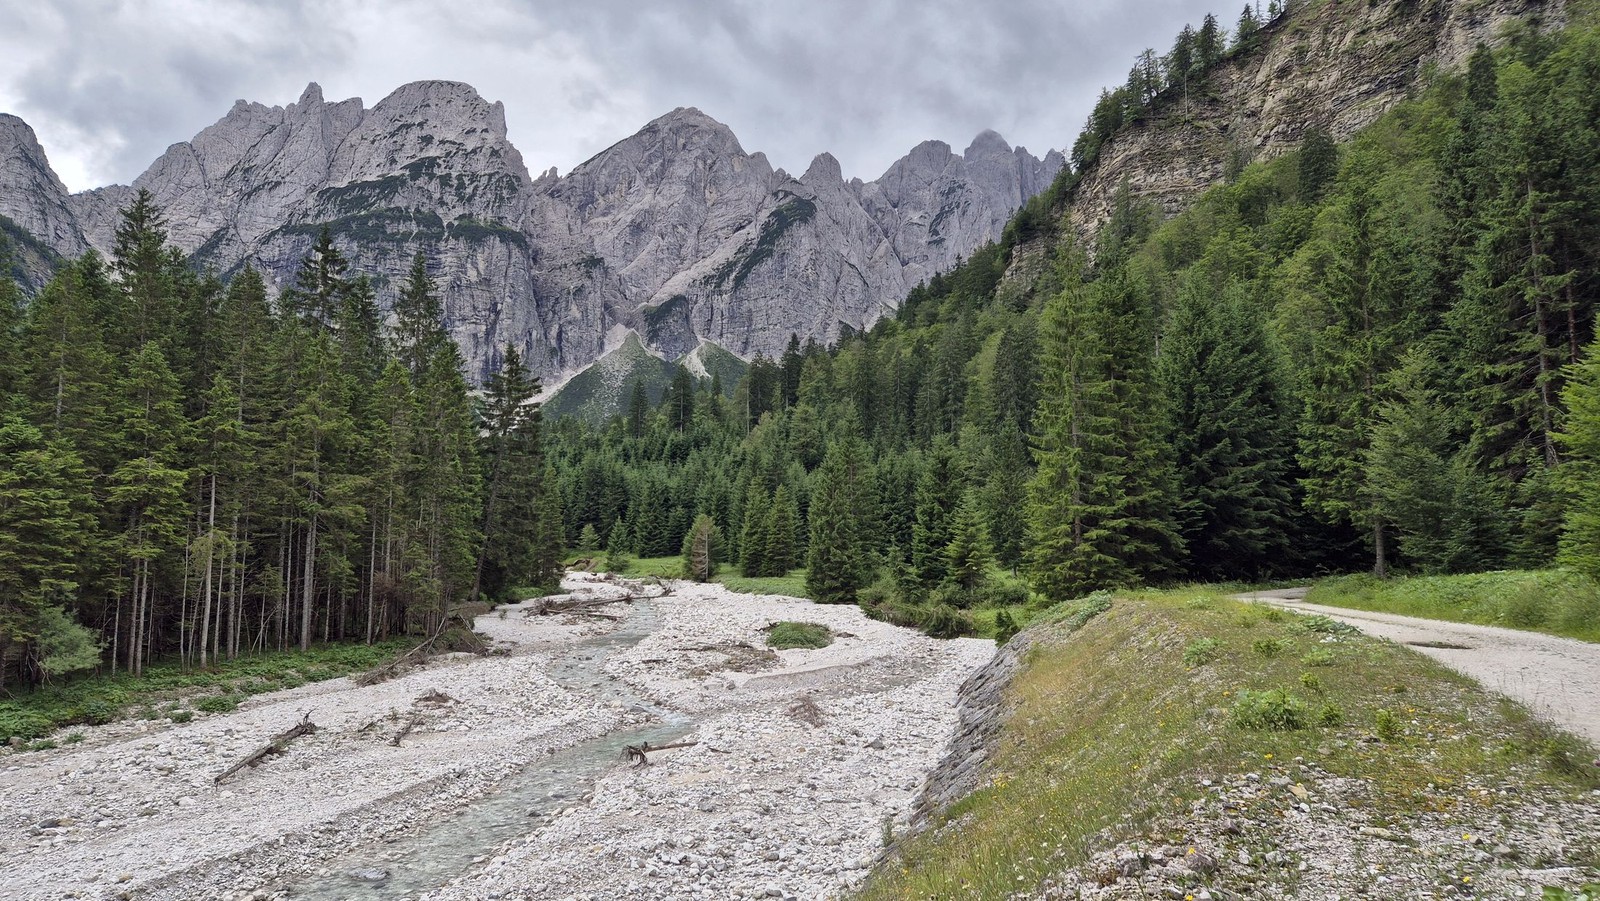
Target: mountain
674, 234
1335, 66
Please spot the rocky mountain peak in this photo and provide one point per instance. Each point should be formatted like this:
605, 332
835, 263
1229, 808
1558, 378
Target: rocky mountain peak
311, 96
987, 143
675, 233
824, 169
35, 197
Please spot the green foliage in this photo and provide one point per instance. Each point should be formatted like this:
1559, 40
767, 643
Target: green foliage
702, 550
786, 635
1005, 627
1318, 657
1270, 647
1386, 725
218, 703
1201, 651
1272, 710
1555, 601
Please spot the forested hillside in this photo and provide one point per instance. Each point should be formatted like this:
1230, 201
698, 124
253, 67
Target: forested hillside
195, 469
1370, 356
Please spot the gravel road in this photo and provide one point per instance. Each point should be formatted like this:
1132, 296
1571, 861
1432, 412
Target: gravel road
1557, 678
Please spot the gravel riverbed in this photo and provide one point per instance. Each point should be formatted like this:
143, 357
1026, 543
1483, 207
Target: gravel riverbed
804, 759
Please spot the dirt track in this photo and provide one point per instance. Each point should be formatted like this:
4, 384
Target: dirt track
1557, 678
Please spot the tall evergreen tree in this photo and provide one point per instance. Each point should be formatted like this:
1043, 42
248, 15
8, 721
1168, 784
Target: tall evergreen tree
836, 558
1100, 507
1231, 434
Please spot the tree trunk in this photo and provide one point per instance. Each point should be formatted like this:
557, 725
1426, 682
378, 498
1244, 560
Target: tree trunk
308, 584
1380, 556
205, 589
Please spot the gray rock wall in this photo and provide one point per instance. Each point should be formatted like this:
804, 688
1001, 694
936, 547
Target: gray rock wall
675, 233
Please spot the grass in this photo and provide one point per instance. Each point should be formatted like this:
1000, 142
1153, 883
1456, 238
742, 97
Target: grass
791, 585
1552, 601
94, 700
1111, 728
787, 635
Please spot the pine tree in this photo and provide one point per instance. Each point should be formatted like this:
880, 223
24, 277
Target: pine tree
1319, 164
701, 549
1580, 534
939, 493
320, 287
1230, 432
418, 333
785, 519
836, 559
755, 536
968, 555
588, 539
147, 490
619, 547
1100, 506
44, 527
514, 475
1244, 33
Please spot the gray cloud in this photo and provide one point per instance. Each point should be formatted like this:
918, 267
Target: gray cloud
108, 85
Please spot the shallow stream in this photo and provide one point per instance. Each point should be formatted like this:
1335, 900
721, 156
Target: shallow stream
428, 858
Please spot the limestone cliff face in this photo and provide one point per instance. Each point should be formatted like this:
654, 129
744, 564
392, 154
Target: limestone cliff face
1338, 64
33, 197
676, 233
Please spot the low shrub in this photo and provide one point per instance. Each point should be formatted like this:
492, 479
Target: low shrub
1318, 657
1330, 714
1385, 724
218, 703
1318, 624
1275, 710
1005, 627
787, 635
1269, 647
1201, 651
181, 716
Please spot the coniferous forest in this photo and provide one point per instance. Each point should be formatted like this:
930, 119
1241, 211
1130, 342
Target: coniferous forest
1377, 356
196, 470
1371, 356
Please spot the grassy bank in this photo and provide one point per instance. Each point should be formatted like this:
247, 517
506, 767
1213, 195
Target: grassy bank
1120, 721
168, 691
791, 585
1555, 602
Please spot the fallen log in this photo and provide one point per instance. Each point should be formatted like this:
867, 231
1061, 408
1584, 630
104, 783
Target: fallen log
278, 745
568, 604
636, 753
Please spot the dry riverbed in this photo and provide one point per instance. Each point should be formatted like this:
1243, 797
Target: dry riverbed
778, 798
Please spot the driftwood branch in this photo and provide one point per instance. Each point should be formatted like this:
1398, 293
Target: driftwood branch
278, 745
806, 711
636, 753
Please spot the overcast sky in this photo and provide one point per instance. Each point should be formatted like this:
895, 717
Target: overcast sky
109, 84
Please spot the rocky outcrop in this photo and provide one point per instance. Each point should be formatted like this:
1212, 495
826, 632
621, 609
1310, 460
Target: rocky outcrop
33, 197
676, 233
1337, 65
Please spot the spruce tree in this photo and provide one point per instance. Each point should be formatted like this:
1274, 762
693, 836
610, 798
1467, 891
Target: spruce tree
1231, 434
1100, 508
785, 519
754, 538
44, 527
836, 557
1580, 534
968, 555
939, 492
701, 549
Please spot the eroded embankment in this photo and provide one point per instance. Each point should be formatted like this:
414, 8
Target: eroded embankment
1197, 746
